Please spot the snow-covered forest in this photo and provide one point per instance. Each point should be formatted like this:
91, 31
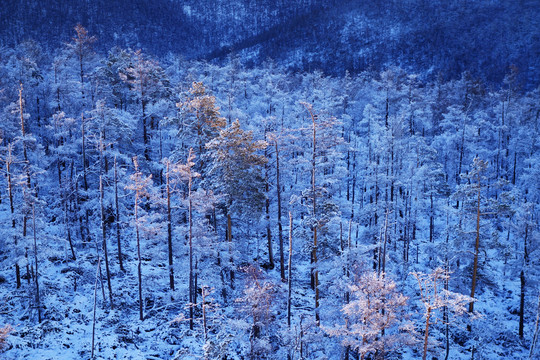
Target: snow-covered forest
163, 208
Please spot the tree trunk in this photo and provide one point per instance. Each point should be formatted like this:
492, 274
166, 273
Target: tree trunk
104, 239
85, 170
169, 228
521, 303
190, 224
476, 247
431, 218
280, 225
95, 307
145, 130
204, 313
522, 282
26, 166
426, 335
139, 260
289, 294
385, 241
117, 217
536, 330
38, 302
8, 160
229, 240
268, 232
68, 228
315, 271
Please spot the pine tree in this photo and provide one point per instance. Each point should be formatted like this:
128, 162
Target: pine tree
325, 158
140, 186
149, 83
235, 173
200, 116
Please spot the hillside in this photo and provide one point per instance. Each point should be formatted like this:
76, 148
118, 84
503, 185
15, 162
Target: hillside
435, 38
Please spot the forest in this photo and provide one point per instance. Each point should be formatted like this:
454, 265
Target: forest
158, 207
431, 38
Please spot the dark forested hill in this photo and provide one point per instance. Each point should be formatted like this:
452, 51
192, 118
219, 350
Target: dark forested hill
431, 37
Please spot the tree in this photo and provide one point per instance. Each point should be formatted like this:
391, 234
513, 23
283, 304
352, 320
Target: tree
235, 173
257, 303
140, 186
475, 202
148, 82
375, 320
73, 69
200, 114
4, 335
82, 48
186, 173
9, 159
435, 299
324, 156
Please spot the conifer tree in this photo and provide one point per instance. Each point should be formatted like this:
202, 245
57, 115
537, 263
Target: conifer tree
140, 187
149, 83
200, 116
235, 173
324, 157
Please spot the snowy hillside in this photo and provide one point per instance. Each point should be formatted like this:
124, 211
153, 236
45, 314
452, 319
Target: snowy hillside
153, 207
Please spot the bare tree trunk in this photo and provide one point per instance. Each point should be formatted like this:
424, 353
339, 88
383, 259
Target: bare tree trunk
229, 240
190, 224
85, 169
426, 335
431, 218
27, 170
385, 241
267, 210
23, 134
68, 228
145, 130
536, 330
169, 228
104, 239
139, 260
315, 271
9, 160
280, 225
289, 295
523, 283
476, 247
521, 303
95, 307
268, 231
36, 262
204, 313
117, 217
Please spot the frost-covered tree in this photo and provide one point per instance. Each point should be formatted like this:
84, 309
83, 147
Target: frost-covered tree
4, 335
236, 174
436, 299
375, 317
257, 304
140, 186
149, 83
324, 161
200, 120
